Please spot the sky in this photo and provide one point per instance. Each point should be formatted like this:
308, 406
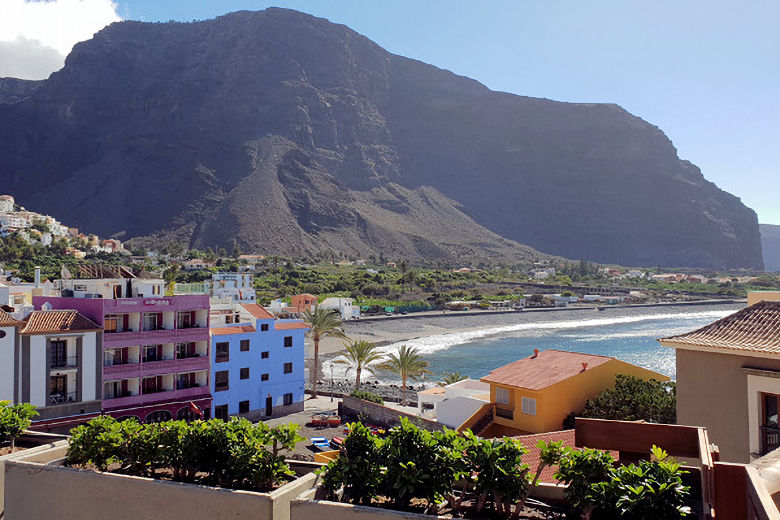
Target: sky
707, 72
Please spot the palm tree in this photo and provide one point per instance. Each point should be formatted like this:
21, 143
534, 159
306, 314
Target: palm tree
360, 355
402, 265
447, 378
407, 364
321, 323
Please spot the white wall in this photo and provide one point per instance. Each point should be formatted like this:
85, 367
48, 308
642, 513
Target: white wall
39, 386
88, 370
7, 345
454, 412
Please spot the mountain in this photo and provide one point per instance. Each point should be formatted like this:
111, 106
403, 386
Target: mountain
770, 242
13, 89
285, 133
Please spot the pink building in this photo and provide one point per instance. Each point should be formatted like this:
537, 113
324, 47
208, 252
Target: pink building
155, 348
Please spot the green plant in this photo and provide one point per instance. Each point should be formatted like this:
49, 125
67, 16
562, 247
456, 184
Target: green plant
407, 364
499, 473
447, 378
357, 469
580, 469
14, 419
360, 355
96, 442
321, 323
635, 399
367, 396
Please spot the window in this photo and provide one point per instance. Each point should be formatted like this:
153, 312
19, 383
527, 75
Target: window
288, 399
264, 377
223, 352
505, 413
288, 368
80, 288
59, 354
221, 381
185, 350
152, 385
58, 389
187, 380
502, 396
221, 412
184, 320
111, 323
150, 321
264, 354
288, 341
244, 373
243, 407
264, 327
152, 353
244, 345
529, 406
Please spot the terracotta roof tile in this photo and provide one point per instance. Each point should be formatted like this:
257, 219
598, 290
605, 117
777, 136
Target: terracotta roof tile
290, 325
545, 369
54, 322
240, 329
532, 457
6, 320
257, 311
755, 328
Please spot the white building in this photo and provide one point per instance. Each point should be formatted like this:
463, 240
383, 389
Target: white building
238, 287
6, 204
53, 360
454, 403
109, 282
345, 306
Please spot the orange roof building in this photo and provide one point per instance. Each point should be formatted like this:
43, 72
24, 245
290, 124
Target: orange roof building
536, 394
57, 322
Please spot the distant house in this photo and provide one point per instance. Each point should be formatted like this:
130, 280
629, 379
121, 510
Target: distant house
728, 379
535, 394
236, 287
197, 263
303, 302
6, 204
251, 259
391, 264
346, 307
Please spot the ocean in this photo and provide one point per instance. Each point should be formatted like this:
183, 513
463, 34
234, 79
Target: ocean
629, 334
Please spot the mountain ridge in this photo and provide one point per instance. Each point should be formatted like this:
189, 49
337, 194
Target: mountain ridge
330, 142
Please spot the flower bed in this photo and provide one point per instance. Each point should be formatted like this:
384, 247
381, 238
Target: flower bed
414, 470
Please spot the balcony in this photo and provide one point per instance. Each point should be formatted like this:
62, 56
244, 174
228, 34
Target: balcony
57, 399
62, 363
155, 368
770, 439
169, 395
130, 339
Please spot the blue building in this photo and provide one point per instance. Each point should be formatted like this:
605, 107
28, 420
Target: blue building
257, 365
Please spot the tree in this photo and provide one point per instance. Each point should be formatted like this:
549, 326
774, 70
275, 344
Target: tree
447, 378
635, 399
14, 419
402, 266
407, 364
360, 355
321, 323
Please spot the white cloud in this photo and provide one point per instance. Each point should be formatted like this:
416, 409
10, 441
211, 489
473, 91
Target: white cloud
36, 35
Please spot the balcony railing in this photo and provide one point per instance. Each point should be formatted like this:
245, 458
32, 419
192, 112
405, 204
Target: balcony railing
62, 398
770, 439
64, 362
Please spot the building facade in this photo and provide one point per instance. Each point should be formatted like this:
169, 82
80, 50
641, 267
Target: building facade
257, 365
155, 348
51, 359
728, 380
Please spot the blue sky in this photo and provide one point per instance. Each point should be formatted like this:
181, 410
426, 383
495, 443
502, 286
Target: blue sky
705, 72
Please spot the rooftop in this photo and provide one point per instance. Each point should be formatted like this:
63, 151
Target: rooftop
54, 322
6, 320
544, 369
224, 331
257, 311
753, 329
290, 325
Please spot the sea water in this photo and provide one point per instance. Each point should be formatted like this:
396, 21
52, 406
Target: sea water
627, 334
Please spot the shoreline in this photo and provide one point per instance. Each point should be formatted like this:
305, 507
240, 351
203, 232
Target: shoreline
385, 330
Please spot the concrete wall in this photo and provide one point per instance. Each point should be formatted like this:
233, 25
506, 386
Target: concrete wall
82, 494
712, 391
383, 415
7, 356
759, 296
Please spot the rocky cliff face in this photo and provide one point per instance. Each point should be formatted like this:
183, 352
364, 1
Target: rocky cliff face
287, 133
770, 242
13, 89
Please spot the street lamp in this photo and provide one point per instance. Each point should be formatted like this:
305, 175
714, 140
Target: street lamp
331, 382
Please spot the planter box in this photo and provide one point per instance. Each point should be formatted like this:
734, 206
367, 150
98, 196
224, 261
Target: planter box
35, 444
40, 487
311, 505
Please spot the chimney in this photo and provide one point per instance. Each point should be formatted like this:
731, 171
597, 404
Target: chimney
536, 352
37, 277
584, 366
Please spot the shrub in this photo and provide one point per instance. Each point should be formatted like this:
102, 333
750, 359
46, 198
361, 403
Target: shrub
635, 399
234, 454
357, 468
367, 396
14, 419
